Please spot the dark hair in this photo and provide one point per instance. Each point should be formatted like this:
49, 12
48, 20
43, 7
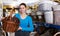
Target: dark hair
23, 4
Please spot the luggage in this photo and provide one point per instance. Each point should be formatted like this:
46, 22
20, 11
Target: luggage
56, 14
45, 7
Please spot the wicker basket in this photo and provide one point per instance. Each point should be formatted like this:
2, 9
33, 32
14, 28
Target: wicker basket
10, 24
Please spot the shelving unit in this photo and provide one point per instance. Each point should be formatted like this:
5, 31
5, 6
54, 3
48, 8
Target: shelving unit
1, 11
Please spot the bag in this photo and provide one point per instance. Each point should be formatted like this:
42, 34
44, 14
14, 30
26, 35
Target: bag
10, 24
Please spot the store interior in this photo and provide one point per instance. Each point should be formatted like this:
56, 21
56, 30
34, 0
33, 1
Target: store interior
44, 13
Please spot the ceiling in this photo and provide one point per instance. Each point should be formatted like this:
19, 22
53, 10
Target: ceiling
17, 2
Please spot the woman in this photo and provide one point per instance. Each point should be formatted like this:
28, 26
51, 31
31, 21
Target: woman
26, 24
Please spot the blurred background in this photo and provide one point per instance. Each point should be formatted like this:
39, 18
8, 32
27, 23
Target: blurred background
45, 14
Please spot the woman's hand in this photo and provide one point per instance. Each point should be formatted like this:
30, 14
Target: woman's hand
19, 28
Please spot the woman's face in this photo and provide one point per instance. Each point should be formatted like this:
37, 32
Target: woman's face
22, 9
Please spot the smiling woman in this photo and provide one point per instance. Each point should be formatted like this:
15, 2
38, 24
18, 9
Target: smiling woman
26, 24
